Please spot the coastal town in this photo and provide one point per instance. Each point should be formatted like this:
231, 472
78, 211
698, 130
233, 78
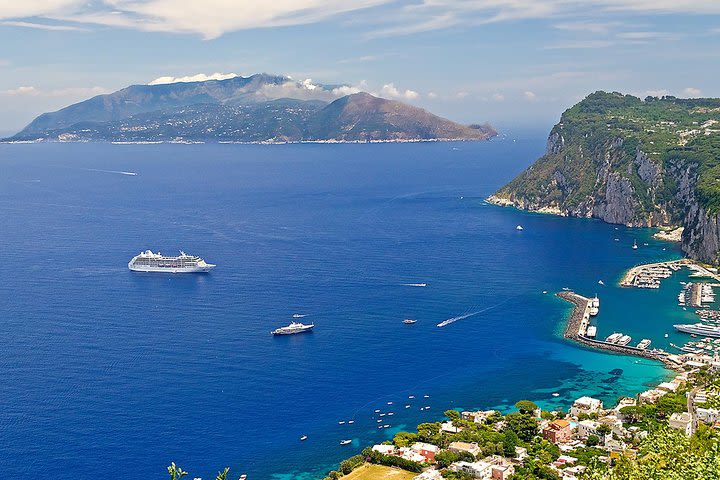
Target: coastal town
531, 443
592, 440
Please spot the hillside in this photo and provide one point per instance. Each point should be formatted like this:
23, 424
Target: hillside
259, 108
651, 162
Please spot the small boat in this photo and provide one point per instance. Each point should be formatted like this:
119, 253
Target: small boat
391, 414
243, 477
519, 228
426, 396
351, 422
544, 292
634, 245
409, 321
556, 394
345, 442
386, 426
600, 282
299, 315
666, 335
341, 422
566, 289
377, 411
303, 438
379, 420
411, 396
389, 403
407, 406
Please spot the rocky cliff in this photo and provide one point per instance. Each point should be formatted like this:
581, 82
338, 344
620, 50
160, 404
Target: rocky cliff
640, 163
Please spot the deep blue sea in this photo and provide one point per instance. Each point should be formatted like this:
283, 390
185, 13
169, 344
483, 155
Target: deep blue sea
108, 372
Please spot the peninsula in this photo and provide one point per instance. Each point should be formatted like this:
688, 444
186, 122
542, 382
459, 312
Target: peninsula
642, 163
260, 108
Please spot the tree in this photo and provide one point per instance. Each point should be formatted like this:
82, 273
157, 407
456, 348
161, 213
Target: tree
526, 406
176, 473
522, 424
452, 414
510, 441
604, 429
445, 458
592, 440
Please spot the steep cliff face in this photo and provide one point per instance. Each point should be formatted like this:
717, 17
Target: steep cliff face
638, 163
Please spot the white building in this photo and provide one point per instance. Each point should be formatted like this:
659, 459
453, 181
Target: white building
586, 405
681, 421
708, 415
384, 449
587, 428
668, 386
482, 470
448, 427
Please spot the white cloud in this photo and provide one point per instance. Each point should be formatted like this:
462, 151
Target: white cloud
692, 92
213, 18
25, 90
40, 26
30, 91
200, 77
461, 95
529, 95
498, 97
432, 95
390, 90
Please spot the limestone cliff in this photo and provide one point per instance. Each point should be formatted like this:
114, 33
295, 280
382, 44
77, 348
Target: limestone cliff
627, 161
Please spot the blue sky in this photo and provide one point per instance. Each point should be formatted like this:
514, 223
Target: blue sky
514, 63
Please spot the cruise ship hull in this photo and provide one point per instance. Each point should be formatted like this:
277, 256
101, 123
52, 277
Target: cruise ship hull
204, 269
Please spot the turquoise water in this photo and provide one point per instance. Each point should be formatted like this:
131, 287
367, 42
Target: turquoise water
102, 367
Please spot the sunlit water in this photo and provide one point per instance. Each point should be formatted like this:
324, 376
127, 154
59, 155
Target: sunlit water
106, 370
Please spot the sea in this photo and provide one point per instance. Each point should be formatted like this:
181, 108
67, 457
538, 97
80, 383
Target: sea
104, 371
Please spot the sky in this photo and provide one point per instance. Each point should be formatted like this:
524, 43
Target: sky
513, 63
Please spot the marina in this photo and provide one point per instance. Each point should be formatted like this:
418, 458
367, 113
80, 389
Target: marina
577, 328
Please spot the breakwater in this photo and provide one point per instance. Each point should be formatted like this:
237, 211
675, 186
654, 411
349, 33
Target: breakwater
579, 320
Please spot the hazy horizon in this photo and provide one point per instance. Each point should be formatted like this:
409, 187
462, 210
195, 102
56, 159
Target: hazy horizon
507, 62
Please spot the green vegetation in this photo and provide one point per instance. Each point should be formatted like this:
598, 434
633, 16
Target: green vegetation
603, 135
666, 454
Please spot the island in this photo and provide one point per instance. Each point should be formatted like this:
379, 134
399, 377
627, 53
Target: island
652, 162
260, 108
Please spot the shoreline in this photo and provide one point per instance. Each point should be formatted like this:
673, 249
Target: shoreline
239, 142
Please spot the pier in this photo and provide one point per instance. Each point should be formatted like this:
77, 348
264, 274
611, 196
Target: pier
579, 320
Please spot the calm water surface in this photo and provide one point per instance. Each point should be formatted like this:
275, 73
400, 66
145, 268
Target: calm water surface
105, 369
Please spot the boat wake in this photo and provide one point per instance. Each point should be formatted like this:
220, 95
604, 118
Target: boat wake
414, 284
117, 172
447, 322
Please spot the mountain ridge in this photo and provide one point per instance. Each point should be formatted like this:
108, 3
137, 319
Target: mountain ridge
258, 108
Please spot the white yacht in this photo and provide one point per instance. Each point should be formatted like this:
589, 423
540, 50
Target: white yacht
591, 331
644, 343
293, 328
594, 305
148, 261
699, 329
613, 338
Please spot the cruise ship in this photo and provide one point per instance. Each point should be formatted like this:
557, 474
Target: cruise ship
293, 328
148, 261
699, 329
